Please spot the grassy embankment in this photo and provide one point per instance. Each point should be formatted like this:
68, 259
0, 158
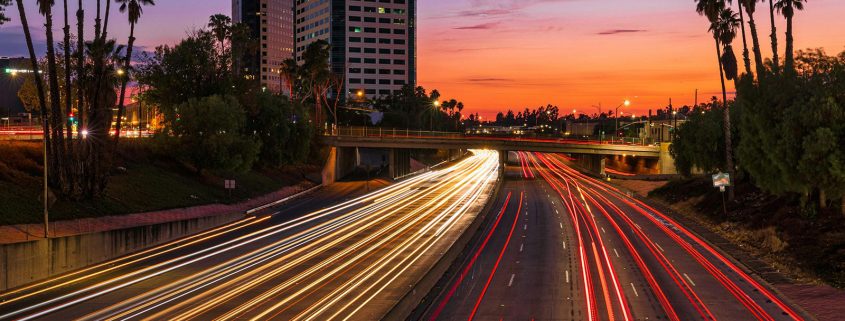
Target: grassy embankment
806, 245
141, 181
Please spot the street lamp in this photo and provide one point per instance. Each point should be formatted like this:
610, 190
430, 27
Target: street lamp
436, 105
626, 103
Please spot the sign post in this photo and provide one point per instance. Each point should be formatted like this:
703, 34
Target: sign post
722, 181
230, 185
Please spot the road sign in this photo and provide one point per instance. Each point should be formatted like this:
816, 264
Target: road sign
230, 184
721, 180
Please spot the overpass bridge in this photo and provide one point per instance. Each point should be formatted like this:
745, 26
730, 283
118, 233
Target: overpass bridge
590, 154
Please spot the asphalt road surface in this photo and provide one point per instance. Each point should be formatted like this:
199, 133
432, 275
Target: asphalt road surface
329, 256
564, 246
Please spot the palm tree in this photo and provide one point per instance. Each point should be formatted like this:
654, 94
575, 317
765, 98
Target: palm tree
134, 8
105, 33
787, 8
725, 32
750, 7
709, 8
3, 4
39, 85
745, 56
68, 87
716, 13
220, 25
727, 24
289, 72
774, 36
80, 67
45, 7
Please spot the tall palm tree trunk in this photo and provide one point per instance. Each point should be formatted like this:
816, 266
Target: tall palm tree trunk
68, 87
755, 42
55, 103
39, 84
745, 55
106, 20
98, 22
121, 109
789, 65
774, 36
729, 162
80, 69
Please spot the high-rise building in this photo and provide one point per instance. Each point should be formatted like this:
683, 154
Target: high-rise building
271, 22
373, 42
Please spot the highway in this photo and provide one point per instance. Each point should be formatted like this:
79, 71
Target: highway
564, 246
330, 256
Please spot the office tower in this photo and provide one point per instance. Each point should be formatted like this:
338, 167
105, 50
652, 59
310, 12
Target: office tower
271, 22
373, 42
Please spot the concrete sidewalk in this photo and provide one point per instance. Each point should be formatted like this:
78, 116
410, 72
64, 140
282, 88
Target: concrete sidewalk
28, 232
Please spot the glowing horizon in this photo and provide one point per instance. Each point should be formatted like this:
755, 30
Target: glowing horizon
496, 55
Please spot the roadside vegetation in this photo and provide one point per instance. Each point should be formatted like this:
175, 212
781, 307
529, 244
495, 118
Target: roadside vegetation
782, 140
145, 179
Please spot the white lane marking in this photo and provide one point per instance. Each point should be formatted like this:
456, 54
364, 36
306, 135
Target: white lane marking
520, 247
658, 246
511, 281
556, 212
525, 228
688, 279
564, 245
567, 276
635, 290
602, 230
561, 225
617, 253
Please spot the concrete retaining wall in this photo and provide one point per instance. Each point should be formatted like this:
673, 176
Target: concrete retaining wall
27, 262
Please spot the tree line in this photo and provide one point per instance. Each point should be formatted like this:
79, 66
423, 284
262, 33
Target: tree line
788, 124
84, 79
213, 115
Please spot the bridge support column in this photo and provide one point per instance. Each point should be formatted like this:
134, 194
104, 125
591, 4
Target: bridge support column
666, 162
595, 164
400, 162
503, 160
340, 162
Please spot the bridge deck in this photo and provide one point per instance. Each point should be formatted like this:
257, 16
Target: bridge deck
494, 143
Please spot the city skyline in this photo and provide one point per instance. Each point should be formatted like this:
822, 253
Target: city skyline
494, 55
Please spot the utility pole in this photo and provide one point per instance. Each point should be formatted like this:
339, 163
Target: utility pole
46, 191
696, 97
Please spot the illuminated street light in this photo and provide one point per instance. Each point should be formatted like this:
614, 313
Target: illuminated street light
626, 103
120, 72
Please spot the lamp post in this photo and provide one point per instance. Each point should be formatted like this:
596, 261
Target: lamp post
626, 103
436, 105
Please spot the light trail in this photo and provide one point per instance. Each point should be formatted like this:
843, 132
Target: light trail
371, 241
498, 260
603, 195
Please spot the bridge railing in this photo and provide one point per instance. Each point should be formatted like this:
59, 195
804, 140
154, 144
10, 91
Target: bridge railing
376, 132
390, 132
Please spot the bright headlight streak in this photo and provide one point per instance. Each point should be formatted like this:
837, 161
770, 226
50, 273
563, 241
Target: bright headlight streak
207, 305
279, 249
133, 258
250, 238
404, 266
466, 198
290, 297
312, 235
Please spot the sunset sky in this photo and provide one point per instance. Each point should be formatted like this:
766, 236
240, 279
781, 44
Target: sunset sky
500, 54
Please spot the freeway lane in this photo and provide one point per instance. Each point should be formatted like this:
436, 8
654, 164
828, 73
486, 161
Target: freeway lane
583, 250
352, 260
529, 280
